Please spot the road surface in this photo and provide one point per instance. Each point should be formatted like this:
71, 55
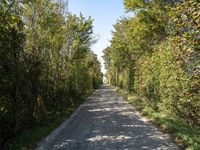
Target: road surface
106, 122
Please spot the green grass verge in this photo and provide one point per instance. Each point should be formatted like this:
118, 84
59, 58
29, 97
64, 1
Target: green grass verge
28, 139
186, 136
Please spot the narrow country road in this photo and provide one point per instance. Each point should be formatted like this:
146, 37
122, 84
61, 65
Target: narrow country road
106, 122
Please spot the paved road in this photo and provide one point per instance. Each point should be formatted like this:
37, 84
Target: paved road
106, 122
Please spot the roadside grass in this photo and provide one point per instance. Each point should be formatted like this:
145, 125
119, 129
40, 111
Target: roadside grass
184, 135
28, 139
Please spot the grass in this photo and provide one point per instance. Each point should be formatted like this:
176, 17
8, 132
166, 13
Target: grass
186, 136
28, 139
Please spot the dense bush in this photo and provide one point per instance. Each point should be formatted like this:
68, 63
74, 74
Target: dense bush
165, 83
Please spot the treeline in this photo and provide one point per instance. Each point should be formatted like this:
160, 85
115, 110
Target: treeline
46, 64
156, 53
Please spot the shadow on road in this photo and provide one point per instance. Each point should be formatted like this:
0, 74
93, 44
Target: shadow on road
107, 122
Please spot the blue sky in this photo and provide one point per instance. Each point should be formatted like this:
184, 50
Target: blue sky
105, 14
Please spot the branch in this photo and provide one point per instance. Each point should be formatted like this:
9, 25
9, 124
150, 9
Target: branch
8, 9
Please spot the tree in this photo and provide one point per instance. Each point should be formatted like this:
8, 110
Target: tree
46, 64
156, 54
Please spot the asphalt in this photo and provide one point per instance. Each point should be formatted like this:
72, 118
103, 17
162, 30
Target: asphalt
106, 122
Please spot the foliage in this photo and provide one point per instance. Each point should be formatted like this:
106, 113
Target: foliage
160, 44
46, 64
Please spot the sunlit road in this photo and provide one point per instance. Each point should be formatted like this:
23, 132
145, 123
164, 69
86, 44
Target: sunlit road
106, 122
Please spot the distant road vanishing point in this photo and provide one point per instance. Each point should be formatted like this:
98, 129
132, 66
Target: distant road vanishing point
106, 122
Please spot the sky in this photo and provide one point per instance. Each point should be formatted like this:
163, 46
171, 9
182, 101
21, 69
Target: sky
105, 14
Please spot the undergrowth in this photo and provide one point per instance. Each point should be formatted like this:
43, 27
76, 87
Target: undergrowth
184, 135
